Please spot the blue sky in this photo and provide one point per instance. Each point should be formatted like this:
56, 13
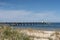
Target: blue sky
29, 10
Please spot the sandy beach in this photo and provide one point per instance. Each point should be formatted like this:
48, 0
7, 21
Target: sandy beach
33, 33
41, 34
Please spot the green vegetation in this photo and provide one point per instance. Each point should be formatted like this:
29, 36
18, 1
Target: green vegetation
9, 33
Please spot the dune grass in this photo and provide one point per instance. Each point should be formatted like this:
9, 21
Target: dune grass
9, 33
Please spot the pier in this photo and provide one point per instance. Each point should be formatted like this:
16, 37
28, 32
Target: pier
21, 23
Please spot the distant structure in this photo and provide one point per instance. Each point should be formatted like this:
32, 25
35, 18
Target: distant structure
22, 23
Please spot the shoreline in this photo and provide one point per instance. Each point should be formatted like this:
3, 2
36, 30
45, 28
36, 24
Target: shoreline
45, 29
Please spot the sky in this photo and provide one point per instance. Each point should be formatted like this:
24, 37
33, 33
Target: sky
29, 10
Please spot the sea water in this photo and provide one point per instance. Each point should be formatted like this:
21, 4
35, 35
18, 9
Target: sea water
44, 26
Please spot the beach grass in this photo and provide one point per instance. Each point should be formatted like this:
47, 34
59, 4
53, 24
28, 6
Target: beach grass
9, 33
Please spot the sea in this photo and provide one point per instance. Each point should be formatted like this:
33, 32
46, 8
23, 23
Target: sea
42, 26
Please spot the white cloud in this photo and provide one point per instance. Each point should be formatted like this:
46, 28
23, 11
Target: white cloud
27, 16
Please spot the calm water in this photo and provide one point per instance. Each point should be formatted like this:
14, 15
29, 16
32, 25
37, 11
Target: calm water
47, 26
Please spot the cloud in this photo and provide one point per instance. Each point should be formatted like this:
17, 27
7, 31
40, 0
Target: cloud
27, 16
3, 3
